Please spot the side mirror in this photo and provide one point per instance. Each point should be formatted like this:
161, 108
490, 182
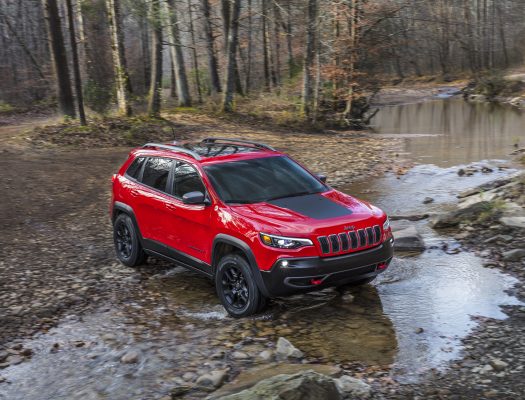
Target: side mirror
322, 178
194, 198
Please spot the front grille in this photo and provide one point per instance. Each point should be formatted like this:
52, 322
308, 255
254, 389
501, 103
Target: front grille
323, 241
362, 237
335, 243
344, 241
352, 240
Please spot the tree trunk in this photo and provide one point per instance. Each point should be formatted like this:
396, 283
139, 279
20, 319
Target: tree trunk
210, 48
58, 51
76, 63
248, 77
352, 28
277, 41
177, 56
266, 57
194, 52
146, 51
155, 91
309, 59
289, 46
231, 53
122, 83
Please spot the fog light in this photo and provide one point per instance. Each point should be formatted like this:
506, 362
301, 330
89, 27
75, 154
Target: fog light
284, 263
382, 266
316, 281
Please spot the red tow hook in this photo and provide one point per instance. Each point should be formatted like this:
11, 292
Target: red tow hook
382, 266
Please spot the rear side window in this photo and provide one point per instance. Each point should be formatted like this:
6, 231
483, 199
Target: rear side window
186, 180
156, 173
135, 168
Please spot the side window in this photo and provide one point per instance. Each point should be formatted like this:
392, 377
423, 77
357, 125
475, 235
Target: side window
156, 172
135, 168
186, 179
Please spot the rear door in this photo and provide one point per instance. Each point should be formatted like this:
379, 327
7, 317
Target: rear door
151, 197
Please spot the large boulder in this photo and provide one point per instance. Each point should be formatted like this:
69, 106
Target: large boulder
468, 209
251, 376
408, 239
306, 385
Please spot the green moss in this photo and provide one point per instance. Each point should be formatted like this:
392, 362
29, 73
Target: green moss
6, 107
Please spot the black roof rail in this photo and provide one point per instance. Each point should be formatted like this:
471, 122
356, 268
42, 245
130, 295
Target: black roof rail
236, 141
174, 148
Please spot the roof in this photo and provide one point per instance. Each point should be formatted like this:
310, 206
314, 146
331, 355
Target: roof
211, 149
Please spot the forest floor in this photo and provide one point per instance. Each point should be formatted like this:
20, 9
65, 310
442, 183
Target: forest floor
55, 234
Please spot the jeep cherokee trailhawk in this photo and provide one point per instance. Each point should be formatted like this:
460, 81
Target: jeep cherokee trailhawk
249, 217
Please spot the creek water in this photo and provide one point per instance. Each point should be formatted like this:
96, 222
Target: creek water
173, 323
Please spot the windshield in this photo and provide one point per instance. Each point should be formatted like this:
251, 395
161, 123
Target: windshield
261, 179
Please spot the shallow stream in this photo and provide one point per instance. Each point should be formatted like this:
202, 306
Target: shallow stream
413, 316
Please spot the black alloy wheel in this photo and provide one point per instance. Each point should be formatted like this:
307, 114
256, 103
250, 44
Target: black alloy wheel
127, 243
236, 287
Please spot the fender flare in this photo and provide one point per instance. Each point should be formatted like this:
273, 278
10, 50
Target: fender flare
128, 210
245, 248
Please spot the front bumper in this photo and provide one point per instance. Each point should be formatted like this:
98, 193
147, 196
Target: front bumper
313, 273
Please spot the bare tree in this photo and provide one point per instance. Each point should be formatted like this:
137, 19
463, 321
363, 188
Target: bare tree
155, 91
210, 47
233, 37
58, 50
123, 85
177, 56
309, 58
76, 63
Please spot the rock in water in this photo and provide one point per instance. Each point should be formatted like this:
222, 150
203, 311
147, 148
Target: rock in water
514, 221
130, 357
352, 387
307, 385
514, 255
408, 239
285, 349
213, 380
468, 209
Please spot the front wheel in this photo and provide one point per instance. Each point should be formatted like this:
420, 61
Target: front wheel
236, 287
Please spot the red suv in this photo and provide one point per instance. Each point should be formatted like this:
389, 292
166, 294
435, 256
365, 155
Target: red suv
249, 217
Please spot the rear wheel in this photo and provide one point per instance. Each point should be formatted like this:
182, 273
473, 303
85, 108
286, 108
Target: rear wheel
236, 287
127, 244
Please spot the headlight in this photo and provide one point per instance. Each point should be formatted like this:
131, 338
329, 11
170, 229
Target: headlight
284, 242
386, 224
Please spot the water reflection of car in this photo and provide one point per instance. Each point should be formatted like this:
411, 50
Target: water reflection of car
249, 217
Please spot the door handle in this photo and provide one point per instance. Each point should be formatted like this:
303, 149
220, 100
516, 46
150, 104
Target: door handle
134, 193
171, 207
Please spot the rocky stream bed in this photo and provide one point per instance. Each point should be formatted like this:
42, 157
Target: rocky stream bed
446, 320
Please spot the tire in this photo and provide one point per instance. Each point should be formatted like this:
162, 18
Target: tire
127, 243
360, 282
236, 287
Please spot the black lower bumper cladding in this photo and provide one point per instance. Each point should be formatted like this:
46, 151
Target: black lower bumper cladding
312, 273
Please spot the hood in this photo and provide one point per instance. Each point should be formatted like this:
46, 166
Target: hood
319, 214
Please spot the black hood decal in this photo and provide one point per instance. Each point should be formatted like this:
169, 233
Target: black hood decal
313, 206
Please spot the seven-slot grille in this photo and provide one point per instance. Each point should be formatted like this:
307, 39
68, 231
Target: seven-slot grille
351, 240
